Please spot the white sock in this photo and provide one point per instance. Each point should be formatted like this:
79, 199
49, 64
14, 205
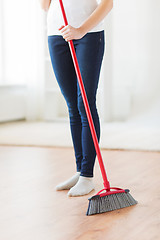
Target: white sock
82, 187
68, 183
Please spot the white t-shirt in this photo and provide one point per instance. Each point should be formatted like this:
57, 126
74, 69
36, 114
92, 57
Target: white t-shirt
77, 11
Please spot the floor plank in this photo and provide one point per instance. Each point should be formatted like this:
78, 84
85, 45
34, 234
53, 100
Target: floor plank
31, 209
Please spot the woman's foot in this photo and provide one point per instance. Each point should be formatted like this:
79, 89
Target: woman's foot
82, 187
68, 183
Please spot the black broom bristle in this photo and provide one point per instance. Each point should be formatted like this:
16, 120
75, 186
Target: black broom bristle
98, 204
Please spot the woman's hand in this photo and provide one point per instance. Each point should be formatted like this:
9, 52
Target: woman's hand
45, 4
68, 32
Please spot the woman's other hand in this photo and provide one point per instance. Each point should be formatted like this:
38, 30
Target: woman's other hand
45, 4
68, 32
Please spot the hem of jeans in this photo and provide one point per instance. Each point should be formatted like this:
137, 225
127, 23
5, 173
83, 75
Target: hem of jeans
86, 175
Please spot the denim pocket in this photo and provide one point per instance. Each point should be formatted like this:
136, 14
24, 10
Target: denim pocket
101, 37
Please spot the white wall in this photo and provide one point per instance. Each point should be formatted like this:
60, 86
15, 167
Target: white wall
134, 56
21, 60
12, 103
147, 82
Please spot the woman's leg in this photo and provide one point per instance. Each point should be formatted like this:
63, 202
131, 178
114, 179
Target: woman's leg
90, 50
90, 53
66, 77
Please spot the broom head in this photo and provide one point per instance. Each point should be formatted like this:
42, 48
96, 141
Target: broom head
110, 200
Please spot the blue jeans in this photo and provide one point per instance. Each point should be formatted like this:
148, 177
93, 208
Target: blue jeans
89, 51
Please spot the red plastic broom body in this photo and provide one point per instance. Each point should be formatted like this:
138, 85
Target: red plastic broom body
107, 189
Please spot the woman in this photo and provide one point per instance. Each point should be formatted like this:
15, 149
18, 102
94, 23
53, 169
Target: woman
85, 18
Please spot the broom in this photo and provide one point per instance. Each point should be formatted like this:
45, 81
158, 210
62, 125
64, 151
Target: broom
108, 199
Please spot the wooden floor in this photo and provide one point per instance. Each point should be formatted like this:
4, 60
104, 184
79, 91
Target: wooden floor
30, 208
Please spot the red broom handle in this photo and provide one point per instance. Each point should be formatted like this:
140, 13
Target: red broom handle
87, 108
